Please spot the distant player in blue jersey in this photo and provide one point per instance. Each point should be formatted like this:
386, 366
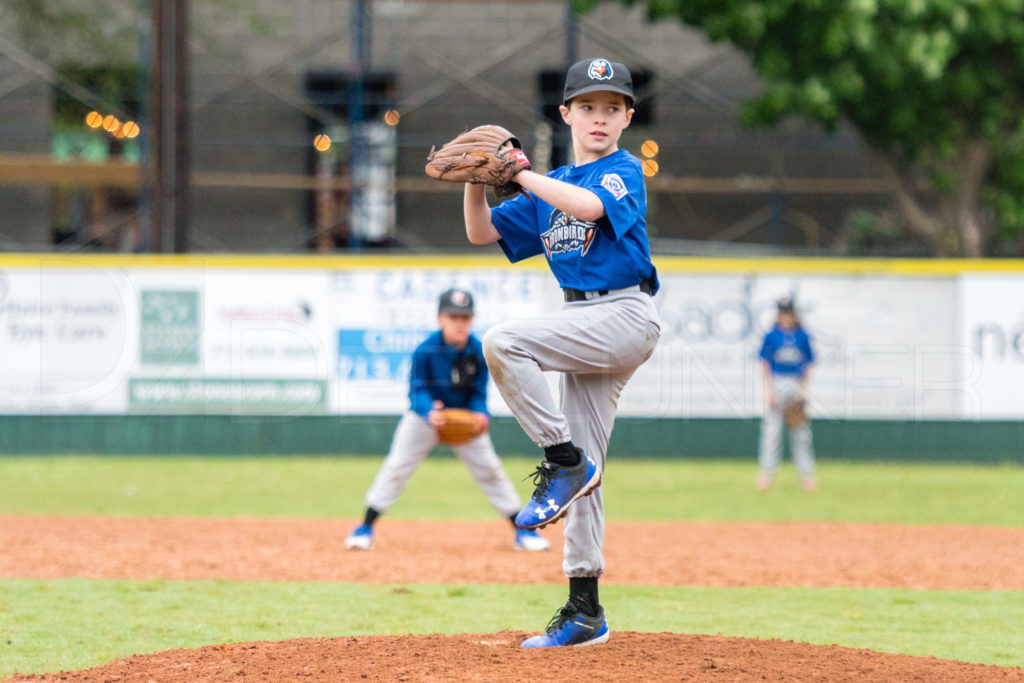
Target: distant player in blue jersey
588, 220
786, 356
448, 371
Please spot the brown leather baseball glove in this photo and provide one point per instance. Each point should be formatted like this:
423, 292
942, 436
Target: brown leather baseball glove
460, 425
476, 156
794, 413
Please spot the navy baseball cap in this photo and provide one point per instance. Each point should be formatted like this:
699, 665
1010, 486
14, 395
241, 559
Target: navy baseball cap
456, 302
598, 75
786, 305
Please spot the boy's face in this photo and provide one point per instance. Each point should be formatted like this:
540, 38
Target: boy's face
455, 328
597, 120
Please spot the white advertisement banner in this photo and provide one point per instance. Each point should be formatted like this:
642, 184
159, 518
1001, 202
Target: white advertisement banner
298, 341
883, 346
67, 339
381, 316
991, 337
232, 341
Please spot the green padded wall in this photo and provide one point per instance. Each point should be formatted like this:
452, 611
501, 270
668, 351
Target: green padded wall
371, 435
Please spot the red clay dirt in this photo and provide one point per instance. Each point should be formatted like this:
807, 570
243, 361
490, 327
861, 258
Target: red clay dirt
796, 554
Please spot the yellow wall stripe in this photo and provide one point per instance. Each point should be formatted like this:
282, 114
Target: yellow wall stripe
665, 264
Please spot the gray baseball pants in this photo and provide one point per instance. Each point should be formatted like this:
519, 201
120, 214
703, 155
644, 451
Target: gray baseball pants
596, 345
769, 455
414, 439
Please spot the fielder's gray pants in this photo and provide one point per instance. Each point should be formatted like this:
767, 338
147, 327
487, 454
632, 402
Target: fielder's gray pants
769, 455
596, 345
414, 439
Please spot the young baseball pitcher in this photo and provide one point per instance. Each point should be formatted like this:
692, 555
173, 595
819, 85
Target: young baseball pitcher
448, 371
588, 220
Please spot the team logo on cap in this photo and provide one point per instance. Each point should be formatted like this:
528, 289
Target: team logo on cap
460, 298
600, 70
567, 234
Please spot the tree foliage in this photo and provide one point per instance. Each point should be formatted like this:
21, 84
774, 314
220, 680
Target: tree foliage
935, 87
87, 31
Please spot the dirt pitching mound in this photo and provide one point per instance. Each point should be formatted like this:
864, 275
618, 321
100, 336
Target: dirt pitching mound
497, 657
926, 557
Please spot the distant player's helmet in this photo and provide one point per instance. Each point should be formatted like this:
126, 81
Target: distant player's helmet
598, 75
456, 302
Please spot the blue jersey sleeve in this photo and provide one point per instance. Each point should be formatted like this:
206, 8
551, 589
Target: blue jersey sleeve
420, 400
516, 222
622, 191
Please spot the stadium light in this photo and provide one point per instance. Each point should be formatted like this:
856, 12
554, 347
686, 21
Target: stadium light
322, 143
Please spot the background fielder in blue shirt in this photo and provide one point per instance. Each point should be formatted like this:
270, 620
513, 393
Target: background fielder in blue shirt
448, 371
457, 377
786, 355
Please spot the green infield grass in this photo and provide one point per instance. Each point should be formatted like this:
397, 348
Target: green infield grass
642, 490
51, 625
71, 624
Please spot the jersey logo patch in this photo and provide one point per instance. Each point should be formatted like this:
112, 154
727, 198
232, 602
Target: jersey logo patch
788, 355
600, 70
567, 234
614, 184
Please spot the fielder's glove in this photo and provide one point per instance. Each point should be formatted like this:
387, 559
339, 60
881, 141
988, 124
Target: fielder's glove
794, 413
476, 156
459, 426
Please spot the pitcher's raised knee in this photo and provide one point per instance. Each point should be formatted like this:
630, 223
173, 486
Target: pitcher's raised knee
497, 342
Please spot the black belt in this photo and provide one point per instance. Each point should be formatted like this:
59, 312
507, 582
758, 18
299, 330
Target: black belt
570, 294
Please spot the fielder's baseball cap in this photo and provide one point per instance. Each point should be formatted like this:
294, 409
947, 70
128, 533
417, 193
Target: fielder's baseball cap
786, 305
598, 75
456, 302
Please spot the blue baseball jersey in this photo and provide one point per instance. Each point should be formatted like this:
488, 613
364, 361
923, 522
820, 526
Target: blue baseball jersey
610, 253
455, 377
787, 352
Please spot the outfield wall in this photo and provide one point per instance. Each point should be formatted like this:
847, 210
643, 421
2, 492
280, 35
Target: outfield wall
263, 354
866, 440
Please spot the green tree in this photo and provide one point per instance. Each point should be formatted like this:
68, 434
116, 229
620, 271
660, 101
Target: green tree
935, 88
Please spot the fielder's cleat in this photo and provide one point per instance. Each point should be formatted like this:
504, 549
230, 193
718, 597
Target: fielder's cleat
556, 489
570, 627
360, 539
530, 540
